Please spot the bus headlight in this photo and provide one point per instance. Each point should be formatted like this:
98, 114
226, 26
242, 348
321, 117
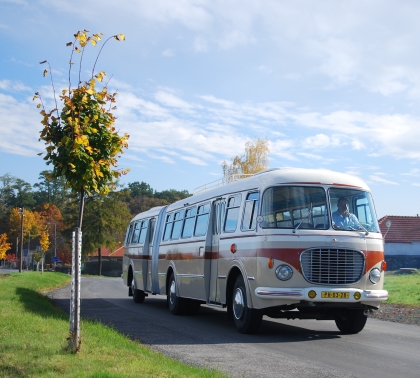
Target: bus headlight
375, 275
284, 272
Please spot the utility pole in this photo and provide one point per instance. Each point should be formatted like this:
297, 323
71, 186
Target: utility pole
29, 243
22, 213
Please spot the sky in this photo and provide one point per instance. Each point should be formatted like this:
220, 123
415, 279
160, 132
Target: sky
331, 84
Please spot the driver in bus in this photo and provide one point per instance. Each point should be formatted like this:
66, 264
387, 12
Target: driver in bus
342, 218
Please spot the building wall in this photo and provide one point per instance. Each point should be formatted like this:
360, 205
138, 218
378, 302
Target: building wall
407, 249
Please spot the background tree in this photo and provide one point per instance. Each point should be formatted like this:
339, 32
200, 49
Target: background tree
44, 241
15, 192
51, 190
140, 189
106, 223
4, 246
255, 159
32, 225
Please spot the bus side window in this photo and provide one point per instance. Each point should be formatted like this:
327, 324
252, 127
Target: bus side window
202, 220
189, 222
143, 231
168, 227
129, 230
152, 229
178, 221
250, 212
136, 233
232, 213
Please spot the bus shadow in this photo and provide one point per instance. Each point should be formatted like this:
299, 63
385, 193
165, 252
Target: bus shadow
152, 323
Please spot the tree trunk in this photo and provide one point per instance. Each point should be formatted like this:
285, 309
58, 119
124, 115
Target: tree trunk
81, 208
100, 261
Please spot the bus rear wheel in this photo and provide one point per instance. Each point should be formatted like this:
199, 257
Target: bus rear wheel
177, 305
246, 320
351, 321
138, 295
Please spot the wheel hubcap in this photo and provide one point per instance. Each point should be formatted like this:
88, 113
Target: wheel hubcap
238, 303
172, 293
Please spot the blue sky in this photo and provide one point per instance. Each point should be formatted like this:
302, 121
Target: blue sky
331, 84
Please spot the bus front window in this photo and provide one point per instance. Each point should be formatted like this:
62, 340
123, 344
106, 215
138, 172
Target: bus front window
295, 206
352, 210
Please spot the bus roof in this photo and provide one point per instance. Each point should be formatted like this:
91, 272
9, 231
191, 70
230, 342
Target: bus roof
270, 177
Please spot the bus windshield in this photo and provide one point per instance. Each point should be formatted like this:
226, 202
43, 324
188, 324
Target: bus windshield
295, 206
352, 210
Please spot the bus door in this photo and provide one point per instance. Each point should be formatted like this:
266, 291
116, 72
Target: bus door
147, 254
218, 211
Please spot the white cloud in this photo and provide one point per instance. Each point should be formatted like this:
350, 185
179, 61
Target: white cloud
320, 141
171, 100
414, 172
382, 180
193, 160
8, 85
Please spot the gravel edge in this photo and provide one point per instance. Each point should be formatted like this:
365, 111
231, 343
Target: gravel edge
397, 314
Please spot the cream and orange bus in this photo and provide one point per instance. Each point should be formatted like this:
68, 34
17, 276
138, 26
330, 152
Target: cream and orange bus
268, 245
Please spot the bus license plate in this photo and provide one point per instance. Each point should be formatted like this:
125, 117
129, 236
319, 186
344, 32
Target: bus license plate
334, 294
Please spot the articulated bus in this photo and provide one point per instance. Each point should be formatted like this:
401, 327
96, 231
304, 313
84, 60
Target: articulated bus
269, 244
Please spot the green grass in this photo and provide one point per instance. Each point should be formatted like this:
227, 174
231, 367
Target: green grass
403, 288
33, 339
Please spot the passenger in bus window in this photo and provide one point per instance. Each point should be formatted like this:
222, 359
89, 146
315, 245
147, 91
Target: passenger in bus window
342, 218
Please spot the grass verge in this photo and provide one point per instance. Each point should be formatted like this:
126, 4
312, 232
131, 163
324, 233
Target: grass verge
403, 288
33, 339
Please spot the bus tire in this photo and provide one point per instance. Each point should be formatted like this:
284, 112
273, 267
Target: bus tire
351, 321
177, 305
246, 320
138, 295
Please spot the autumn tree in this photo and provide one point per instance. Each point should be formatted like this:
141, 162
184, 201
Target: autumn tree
32, 226
255, 160
82, 143
4, 246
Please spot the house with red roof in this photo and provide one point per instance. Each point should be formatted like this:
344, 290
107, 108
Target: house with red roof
111, 262
402, 241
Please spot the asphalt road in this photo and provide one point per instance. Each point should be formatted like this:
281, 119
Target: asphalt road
283, 348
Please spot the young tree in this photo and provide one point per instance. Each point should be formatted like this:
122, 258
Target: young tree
255, 160
82, 144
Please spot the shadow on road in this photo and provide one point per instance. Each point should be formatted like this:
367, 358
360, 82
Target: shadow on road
152, 323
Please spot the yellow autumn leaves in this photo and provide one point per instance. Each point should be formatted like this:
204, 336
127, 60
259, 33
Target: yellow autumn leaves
82, 142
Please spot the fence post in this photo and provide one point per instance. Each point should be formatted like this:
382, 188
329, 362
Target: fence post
74, 340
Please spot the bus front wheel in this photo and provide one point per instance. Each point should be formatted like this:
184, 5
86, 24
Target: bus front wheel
351, 321
246, 320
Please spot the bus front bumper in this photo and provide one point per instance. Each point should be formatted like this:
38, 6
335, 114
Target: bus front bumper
322, 294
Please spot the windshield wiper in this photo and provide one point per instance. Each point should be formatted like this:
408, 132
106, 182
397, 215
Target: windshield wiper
303, 221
